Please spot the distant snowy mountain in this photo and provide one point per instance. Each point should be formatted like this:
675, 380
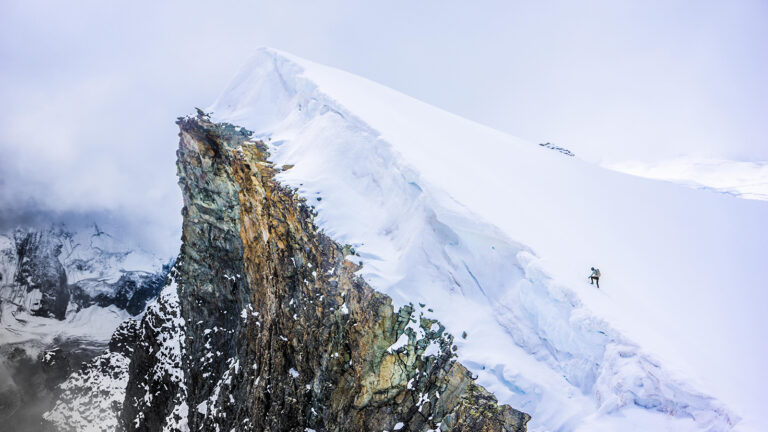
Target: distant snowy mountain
57, 283
62, 294
748, 180
494, 236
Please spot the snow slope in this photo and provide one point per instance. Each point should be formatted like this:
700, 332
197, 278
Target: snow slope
496, 236
748, 180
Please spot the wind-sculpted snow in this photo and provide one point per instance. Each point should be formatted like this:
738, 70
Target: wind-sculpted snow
551, 324
530, 340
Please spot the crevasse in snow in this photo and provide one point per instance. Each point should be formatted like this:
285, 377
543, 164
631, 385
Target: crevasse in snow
531, 339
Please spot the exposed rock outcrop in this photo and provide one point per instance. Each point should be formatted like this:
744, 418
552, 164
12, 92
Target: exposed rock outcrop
131, 292
274, 330
556, 148
40, 272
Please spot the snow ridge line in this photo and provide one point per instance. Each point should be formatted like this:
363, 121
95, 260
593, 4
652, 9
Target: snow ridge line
545, 320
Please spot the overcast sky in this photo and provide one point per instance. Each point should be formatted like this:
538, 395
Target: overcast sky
90, 89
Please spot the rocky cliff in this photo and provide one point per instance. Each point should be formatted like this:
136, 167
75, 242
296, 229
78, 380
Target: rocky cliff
266, 326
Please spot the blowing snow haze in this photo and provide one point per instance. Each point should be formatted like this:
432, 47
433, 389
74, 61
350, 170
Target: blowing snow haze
316, 249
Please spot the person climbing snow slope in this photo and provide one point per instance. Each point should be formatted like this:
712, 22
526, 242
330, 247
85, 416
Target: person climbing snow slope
594, 278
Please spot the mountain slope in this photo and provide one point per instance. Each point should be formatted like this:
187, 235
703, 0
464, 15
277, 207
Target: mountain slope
265, 325
59, 283
748, 180
62, 294
431, 203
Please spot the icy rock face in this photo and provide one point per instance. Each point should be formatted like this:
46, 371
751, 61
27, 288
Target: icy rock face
276, 331
155, 394
49, 273
39, 273
131, 292
101, 397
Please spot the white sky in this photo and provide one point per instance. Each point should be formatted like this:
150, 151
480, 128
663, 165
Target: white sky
90, 89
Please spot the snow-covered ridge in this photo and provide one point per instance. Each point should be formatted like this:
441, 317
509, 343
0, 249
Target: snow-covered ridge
386, 174
748, 180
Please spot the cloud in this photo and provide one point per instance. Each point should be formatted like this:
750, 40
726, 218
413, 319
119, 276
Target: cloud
91, 90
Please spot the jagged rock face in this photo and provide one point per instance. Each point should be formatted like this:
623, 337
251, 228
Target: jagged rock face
40, 271
28, 382
41, 274
92, 397
131, 292
279, 333
98, 397
155, 395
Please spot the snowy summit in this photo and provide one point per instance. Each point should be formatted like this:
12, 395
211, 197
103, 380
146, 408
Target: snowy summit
494, 236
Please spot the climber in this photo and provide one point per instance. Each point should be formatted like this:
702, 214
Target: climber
594, 278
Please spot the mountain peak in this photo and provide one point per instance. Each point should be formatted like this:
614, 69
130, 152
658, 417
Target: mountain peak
493, 231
